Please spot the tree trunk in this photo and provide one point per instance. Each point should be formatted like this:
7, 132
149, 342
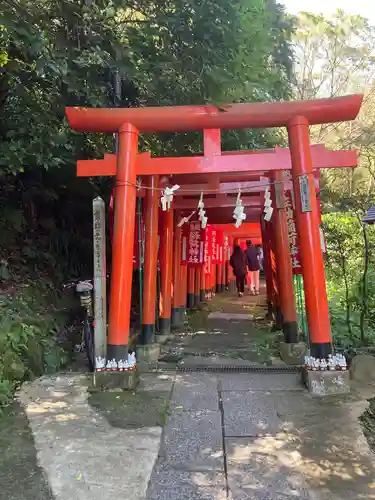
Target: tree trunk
347, 304
364, 310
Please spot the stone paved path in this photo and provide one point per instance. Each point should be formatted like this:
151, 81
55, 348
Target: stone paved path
230, 436
260, 437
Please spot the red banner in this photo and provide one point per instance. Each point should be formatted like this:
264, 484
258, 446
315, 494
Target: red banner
195, 244
214, 246
225, 249
220, 247
292, 233
207, 249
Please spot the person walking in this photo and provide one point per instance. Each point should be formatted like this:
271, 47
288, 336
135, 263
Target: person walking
252, 256
238, 263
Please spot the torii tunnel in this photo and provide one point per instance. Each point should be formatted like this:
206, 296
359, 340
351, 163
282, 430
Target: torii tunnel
291, 173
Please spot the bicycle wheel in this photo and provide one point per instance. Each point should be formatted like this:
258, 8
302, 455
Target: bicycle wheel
88, 335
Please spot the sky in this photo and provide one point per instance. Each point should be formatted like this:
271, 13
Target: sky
365, 8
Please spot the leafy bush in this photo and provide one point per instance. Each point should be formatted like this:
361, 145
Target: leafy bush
350, 279
29, 328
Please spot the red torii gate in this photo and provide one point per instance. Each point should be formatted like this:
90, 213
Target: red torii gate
296, 116
321, 157
286, 303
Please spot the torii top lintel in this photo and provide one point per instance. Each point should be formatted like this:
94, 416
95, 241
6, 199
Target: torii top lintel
231, 116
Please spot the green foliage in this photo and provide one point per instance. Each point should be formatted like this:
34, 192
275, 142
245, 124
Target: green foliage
334, 54
58, 53
28, 329
351, 299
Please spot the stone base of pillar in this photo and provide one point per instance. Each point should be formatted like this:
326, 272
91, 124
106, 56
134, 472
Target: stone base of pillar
202, 295
106, 381
197, 300
190, 300
148, 353
182, 315
269, 314
293, 354
325, 383
147, 335
277, 318
176, 321
290, 330
162, 338
164, 326
320, 350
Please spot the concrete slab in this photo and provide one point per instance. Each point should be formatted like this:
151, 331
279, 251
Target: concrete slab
261, 382
195, 392
82, 455
249, 414
230, 316
193, 438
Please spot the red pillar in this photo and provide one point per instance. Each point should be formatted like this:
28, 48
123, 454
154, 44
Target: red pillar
123, 244
267, 267
151, 256
274, 275
183, 295
213, 278
197, 289
166, 252
308, 229
176, 305
191, 287
284, 264
202, 291
219, 277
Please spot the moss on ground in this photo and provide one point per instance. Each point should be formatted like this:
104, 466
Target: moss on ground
132, 410
20, 476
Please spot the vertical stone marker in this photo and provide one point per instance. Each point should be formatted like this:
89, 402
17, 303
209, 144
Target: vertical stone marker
100, 302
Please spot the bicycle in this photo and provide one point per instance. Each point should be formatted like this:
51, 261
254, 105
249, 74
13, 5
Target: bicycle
84, 289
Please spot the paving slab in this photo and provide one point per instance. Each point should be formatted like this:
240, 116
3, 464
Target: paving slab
156, 382
327, 449
195, 392
230, 316
261, 382
249, 414
176, 484
263, 468
193, 438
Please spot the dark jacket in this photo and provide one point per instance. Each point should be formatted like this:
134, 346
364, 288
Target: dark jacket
252, 255
238, 261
